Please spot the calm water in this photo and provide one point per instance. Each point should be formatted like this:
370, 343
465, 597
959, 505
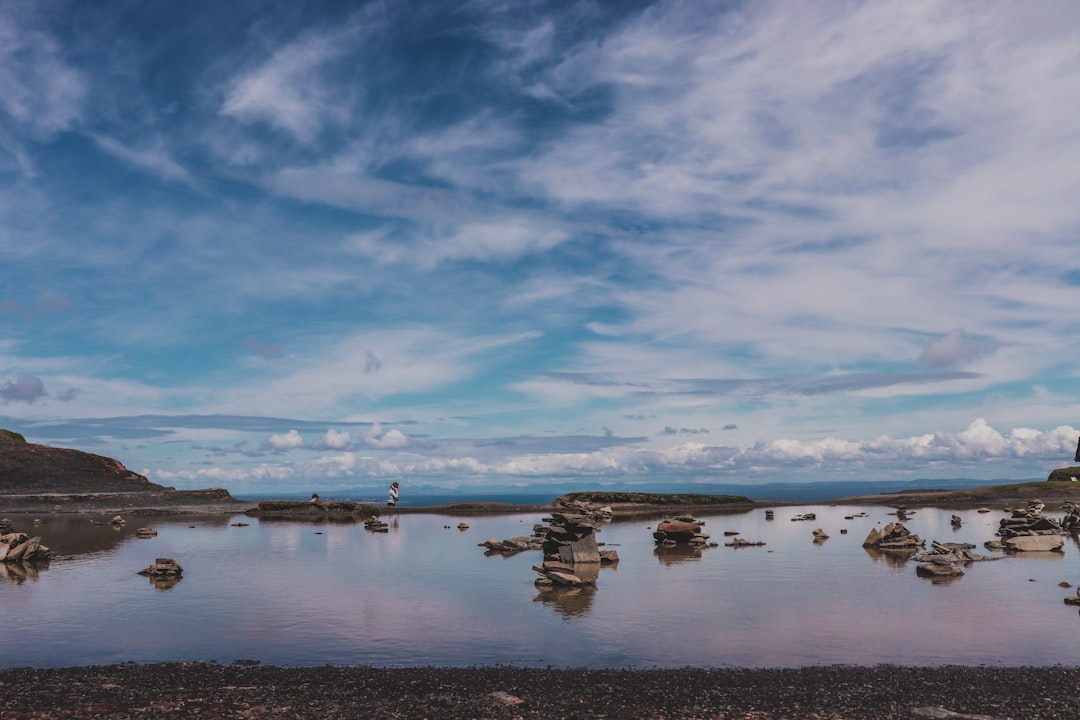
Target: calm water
304, 594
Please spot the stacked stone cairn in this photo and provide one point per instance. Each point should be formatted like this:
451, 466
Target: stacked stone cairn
947, 560
682, 529
570, 540
1071, 521
1029, 531
893, 536
19, 548
376, 525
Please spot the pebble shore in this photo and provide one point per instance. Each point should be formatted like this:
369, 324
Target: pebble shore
246, 689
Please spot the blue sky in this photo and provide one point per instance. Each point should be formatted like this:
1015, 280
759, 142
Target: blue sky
280, 246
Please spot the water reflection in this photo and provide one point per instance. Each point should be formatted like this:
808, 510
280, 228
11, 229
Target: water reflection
424, 595
669, 554
572, 601
892, 558
20, 572
75, 535
568, 601
163, 583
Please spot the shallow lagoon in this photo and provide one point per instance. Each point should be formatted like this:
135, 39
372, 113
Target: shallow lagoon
293, 593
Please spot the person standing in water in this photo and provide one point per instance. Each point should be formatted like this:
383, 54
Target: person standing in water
392, 497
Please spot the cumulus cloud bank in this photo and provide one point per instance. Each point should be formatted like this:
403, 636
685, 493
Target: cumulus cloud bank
391, 439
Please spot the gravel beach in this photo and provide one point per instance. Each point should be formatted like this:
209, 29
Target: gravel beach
249, 690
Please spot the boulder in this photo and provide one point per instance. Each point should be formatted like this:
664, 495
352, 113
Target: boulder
938, 570
1034, 543
683, 529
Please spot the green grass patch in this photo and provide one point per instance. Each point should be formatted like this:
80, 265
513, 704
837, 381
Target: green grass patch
1064, 474
11, 436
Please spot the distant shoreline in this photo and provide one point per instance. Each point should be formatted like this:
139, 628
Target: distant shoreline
217, 501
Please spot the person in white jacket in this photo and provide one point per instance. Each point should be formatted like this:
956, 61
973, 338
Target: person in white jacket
392, 497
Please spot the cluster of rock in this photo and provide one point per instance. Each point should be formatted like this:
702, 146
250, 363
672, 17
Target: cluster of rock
893, 536
947, 560
512, 546
376, 525
18, 547
804, 517
164, 573
555, 574
1073, 599
682, 529
569, 537
741, 543
1027, 530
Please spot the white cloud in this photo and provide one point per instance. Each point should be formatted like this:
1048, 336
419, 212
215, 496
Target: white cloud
286, 441
38, 88
154, 160
289, 91
391, 439
336, 439
954, 348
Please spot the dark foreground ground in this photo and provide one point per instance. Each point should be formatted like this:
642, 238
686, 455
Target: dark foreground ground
208, 690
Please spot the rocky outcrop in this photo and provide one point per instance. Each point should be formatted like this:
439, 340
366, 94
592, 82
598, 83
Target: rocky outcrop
26, 468
631, 503
324, 511
1065, 474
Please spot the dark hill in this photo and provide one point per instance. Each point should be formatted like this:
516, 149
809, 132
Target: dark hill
40, 478
29, 468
